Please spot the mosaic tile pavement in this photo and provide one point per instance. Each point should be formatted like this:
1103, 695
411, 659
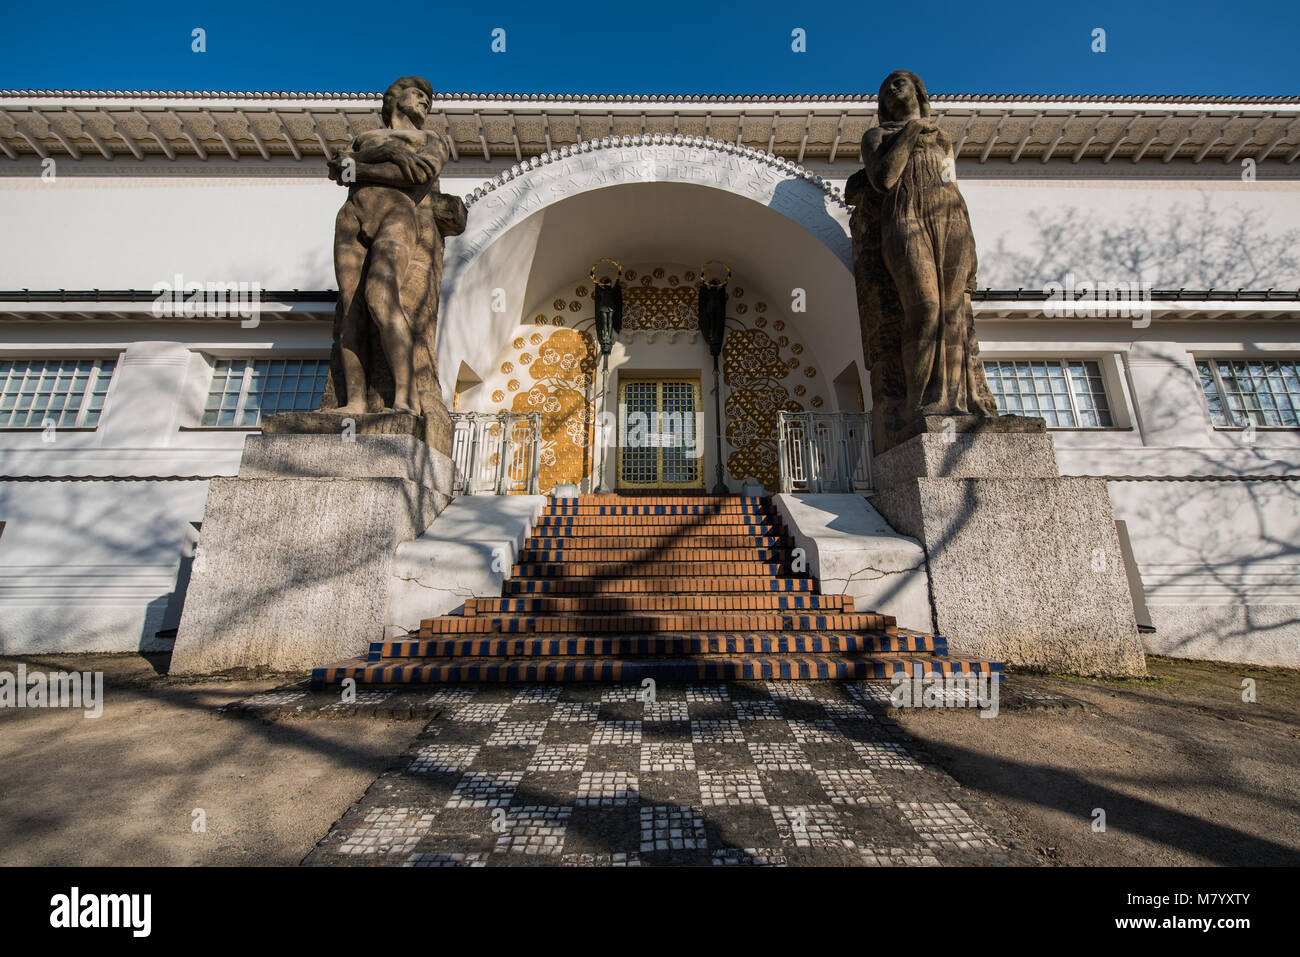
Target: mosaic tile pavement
724, 774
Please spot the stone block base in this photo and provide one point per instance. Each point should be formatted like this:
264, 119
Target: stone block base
434, 428
1023, 569
294, 570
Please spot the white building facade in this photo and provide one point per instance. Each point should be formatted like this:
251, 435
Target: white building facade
113, 418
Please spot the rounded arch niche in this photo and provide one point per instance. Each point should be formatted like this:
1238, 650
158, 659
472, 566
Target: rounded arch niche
547, 219
550, 366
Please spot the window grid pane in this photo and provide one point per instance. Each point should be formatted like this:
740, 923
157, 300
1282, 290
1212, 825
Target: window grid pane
35, 393
274, 385
1263, 392
1052, 390
640, 461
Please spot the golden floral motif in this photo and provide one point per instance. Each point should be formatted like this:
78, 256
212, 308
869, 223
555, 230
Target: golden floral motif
580, 291
536, 338
525, 357
797, 348
741, 308
661, 308
498, 396
513, 385
800, 389
753, 368
629, 274
575, 306
566, 363
658, 272
558, 304
557, 321
519, 342
673, 280
817, 402
507, 368
810, 371
749, 354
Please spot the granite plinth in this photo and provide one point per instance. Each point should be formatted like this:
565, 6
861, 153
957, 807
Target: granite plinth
1025, 565
295, 561
434, 428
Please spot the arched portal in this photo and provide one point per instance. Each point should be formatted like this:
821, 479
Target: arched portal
662, 210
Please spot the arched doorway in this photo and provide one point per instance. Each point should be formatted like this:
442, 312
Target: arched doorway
516, 291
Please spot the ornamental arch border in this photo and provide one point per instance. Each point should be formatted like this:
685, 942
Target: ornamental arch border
785, 187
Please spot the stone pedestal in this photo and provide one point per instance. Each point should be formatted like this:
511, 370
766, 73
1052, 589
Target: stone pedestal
433, 429
296, 552
1025, 565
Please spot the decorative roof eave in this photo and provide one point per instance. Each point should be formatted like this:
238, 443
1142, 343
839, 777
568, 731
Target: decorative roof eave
264, 126
695, 98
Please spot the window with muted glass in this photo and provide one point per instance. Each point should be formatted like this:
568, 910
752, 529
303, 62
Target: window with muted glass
59, 393
243, 390
1065, 393
1241, 392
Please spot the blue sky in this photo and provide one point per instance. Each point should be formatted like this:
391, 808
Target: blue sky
1243, 47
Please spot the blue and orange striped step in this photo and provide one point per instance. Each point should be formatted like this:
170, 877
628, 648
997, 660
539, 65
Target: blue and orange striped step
670, 585
654, 624
581, 543
722, 668
660, 645
644, 569
682, 587
652, 603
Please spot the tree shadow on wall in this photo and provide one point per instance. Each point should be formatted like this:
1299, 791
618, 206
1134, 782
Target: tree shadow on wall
1187, 246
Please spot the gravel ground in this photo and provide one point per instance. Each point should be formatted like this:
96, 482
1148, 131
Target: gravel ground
1185, 771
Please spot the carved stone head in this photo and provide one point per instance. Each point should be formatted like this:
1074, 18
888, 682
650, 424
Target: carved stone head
403, 94
900, 89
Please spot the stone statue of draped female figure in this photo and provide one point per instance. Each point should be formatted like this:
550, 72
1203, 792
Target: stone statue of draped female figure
914, 262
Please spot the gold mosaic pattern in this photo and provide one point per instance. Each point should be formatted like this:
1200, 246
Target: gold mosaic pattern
659, 307
559, 375
552, 368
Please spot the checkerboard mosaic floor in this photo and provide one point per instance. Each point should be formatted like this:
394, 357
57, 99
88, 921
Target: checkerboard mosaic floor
799, 773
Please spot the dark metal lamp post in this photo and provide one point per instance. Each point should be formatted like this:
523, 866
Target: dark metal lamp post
607, 292
713, 326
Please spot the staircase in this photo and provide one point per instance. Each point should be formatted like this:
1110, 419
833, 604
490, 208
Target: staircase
622, 588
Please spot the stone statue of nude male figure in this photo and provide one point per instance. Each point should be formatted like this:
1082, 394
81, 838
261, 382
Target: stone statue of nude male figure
388, 244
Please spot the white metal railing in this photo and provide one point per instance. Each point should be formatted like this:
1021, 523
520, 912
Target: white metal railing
496, 453
824, 451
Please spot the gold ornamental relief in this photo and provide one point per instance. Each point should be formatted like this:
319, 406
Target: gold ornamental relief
561, 371
661, 307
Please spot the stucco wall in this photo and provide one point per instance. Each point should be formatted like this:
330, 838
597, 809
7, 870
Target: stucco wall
1217, 558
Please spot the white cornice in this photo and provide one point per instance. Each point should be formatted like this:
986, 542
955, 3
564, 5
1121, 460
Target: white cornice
1016, 129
